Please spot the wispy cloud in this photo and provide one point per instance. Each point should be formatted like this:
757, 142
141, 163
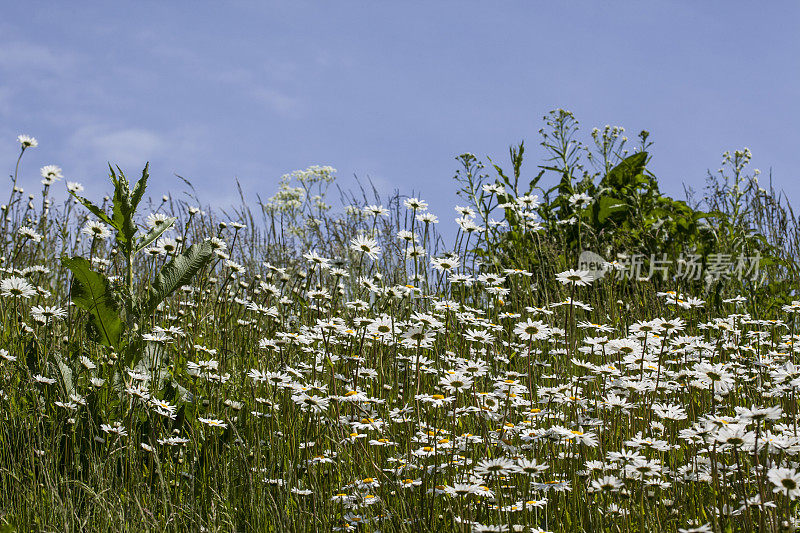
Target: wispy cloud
277, 101
128, 147
89, 148
22, 56
35, 79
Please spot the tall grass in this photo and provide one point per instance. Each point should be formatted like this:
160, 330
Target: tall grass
350, 369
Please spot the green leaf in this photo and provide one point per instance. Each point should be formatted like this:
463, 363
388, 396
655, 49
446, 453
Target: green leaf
624, 174
92, 292
178, 272
535, 181
154, 234
32, 356
123, 210
96, 211
607, 207
516, 158
66, 374
141, 185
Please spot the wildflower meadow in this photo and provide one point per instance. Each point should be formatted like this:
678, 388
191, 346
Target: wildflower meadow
568, 349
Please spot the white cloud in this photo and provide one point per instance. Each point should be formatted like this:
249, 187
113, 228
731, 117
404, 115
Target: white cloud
25, 56
277, 101
129, 148
94, 144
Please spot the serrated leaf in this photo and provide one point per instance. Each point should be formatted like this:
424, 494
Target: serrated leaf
178, 272
123, 210
91, 291
154, 234
141, 185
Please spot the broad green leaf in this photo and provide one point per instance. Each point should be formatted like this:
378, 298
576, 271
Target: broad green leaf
154, 234
624, 174
608, 206
92, 292
178, 272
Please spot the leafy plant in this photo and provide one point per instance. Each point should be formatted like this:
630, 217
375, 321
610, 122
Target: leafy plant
115, 311
605, 199
92, 292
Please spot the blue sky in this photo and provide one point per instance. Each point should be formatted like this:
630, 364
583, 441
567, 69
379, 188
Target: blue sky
215, 91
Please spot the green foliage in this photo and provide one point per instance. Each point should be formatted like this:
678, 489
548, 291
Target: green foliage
298, 388
107, 304
623, 211
92, 292
153, 234
178, 272
124, 207
630, 213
